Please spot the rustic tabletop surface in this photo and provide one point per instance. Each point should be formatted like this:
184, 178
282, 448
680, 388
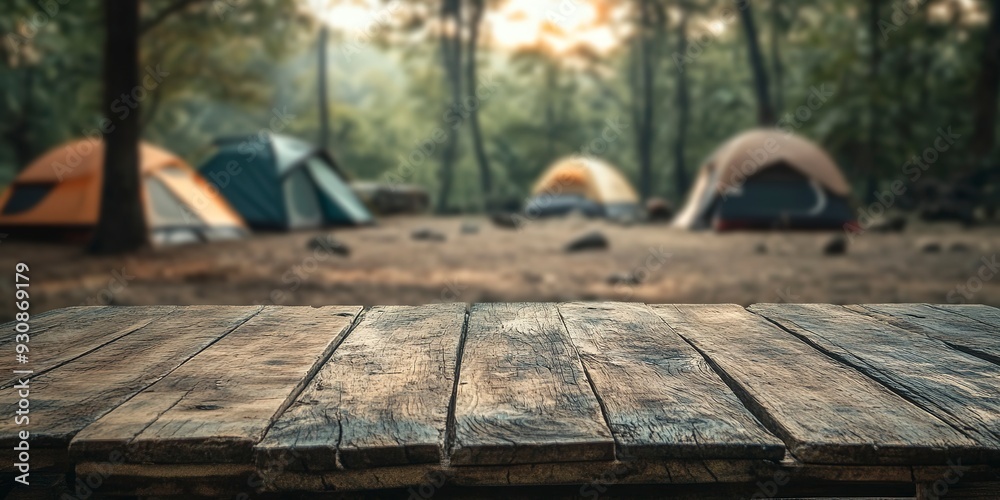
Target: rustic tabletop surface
582, 398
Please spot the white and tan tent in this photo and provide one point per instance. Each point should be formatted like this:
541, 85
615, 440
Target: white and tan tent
595, 183
767, 178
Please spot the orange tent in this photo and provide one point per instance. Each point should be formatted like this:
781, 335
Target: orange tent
58, 197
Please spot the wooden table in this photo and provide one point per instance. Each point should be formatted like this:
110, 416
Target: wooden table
554, 400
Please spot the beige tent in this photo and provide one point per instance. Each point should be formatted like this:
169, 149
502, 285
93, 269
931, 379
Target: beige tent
751, 154
591, 178
585, 184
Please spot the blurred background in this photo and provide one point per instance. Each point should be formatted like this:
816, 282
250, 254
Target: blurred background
387, 152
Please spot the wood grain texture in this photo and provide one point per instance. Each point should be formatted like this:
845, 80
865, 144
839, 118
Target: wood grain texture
381, 399
661, 398
826, 412
70, 397
981, 313
46, 321
958, 388
959, 331
522, 395
218, 405
63, 335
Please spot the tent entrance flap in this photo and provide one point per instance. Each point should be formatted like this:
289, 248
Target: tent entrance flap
303, 203
289, 184
339, 202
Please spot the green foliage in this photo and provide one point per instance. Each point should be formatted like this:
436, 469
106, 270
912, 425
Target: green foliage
232, 68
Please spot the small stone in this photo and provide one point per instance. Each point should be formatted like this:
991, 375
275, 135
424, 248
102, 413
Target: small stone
959, 246
470, 228
427, 234
893, 224
623, 279
930, 247
591, 241
329, 243
760, 248
507, 220
836, 245
659, 209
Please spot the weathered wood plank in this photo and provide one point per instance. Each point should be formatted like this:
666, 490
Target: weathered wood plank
978, 312
958, 388
62, 335
956, 330
218, 405
45, 321
660, 396
522, 395
381, 399
70, 397
826, 412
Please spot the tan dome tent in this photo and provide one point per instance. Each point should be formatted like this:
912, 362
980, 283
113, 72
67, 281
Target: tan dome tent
587, 184
59, 197
767, 178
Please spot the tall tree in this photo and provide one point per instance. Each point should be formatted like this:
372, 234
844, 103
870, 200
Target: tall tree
777, 67
451, 56
874, 64
650, 19
121, 226
324, 106
486, 181
765, 109
987, 86
683, 112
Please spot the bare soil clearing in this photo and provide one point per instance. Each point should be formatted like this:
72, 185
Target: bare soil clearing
387, 266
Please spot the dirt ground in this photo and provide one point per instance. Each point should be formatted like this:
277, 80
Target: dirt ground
387, 266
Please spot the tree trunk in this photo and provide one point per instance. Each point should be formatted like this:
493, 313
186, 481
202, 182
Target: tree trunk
451, 53
985, 104
486, 180
19, 133
324, 106
777, 32
765, 110
551, 81
683, 115
643, 96
874, 62
122, 225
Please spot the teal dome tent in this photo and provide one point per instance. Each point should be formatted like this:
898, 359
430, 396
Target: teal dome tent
279, 182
